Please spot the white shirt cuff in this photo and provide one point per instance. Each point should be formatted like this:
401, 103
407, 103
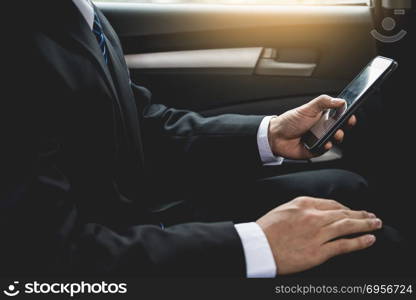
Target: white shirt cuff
266, 154
258, 254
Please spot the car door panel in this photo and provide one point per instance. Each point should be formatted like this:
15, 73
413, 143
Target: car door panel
305, 51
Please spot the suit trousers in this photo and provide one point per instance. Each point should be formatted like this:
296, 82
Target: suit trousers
247, 201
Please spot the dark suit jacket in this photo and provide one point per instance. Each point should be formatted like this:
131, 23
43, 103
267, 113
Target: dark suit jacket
81, 145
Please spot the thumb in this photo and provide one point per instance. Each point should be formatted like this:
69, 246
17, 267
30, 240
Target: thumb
320, 104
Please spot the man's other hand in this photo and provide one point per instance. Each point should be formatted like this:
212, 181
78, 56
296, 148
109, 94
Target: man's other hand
306, 232
286, 130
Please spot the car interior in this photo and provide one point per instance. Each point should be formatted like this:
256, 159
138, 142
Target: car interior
268, 57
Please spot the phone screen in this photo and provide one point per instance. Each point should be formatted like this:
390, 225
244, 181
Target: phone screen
351, 94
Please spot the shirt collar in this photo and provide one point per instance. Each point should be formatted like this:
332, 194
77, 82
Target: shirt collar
87, 10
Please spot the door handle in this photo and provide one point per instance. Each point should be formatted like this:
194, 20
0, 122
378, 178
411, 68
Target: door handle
269, 64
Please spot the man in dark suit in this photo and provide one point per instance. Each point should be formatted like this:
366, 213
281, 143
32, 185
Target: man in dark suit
82, 157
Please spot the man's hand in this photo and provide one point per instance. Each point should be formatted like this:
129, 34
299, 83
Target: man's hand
301, 232
286, 130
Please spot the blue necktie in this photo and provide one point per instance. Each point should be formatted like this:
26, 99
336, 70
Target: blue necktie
99, 35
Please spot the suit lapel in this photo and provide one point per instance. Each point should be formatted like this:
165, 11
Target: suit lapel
79, 31
120, 74
128, 106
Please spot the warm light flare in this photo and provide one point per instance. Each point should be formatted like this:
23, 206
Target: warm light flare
253, 2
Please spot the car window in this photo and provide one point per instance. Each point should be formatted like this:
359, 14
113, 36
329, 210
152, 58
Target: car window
263, 2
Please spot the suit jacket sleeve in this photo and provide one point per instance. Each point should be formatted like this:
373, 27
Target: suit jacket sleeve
174, 138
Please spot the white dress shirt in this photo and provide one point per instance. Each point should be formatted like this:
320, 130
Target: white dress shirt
257, 251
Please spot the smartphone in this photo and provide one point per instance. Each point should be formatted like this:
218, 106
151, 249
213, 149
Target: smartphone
369, 79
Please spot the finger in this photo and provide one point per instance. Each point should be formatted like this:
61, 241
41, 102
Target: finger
328, 146
352, 121
349, 226
320, 104
322, 204
343, 246
331, 216
339, 136
306, 154
325, 102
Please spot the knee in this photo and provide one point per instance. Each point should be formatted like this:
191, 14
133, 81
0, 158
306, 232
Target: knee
348, 181
346, 187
